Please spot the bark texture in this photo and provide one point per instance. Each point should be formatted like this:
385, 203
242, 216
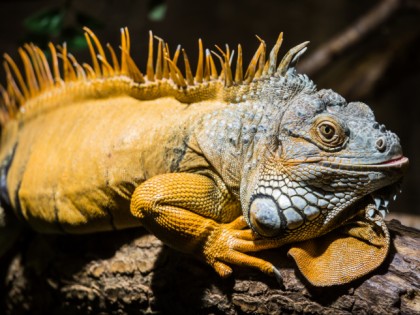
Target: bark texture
131, 272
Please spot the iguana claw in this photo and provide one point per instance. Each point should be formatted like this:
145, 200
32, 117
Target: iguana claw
278, 276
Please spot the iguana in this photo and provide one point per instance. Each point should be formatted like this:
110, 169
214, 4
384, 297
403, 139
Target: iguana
219, 163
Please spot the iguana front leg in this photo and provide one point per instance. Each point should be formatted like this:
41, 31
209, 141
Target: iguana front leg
194, 214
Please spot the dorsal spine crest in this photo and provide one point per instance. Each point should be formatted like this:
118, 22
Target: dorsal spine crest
43, 79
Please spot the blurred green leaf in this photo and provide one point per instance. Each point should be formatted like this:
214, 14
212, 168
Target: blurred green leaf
59, 24
157, 10
74, 37
46, 22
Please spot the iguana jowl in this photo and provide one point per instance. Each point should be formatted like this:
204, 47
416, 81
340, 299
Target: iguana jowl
216, 164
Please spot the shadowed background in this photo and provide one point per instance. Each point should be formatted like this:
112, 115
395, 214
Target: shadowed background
381, 67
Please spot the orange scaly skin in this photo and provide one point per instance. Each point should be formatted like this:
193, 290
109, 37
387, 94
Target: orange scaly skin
218, 164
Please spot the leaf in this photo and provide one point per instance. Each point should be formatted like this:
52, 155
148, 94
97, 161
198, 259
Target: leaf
46, 22
74, 38
157, 10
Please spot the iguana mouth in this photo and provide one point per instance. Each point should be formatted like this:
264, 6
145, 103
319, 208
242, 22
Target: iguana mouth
400, 161
396, 163
382, 196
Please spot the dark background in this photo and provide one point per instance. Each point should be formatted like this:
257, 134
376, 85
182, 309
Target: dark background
382, 69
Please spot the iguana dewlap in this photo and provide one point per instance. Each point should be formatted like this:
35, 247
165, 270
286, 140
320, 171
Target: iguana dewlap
217, 164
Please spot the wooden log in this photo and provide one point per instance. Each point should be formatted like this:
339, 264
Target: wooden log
131, 272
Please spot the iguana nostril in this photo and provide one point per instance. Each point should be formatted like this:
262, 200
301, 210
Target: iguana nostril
382, 128
381, 144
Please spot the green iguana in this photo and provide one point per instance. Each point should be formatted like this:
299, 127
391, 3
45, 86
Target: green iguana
218, 164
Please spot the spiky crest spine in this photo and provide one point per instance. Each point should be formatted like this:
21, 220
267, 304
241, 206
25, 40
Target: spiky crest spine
163, 73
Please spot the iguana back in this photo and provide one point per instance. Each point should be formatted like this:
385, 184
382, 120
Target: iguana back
83, 144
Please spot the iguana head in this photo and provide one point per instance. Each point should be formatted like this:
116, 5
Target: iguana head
326, 158
320, 176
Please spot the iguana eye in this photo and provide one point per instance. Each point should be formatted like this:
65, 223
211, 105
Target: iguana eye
328, 133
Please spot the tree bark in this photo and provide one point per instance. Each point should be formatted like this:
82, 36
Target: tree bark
131, 272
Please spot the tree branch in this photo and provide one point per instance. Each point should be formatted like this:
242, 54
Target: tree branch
349, 37
132, 272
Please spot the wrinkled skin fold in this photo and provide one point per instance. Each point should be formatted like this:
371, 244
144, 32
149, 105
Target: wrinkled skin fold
351, 251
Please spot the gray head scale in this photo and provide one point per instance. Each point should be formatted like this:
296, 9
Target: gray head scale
325, 160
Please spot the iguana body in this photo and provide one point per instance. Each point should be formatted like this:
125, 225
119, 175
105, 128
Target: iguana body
196, 160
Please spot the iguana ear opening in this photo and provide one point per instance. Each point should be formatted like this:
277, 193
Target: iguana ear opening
344, 254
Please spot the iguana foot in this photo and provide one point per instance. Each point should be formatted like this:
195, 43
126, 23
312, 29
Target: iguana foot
189, 212
227, 245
